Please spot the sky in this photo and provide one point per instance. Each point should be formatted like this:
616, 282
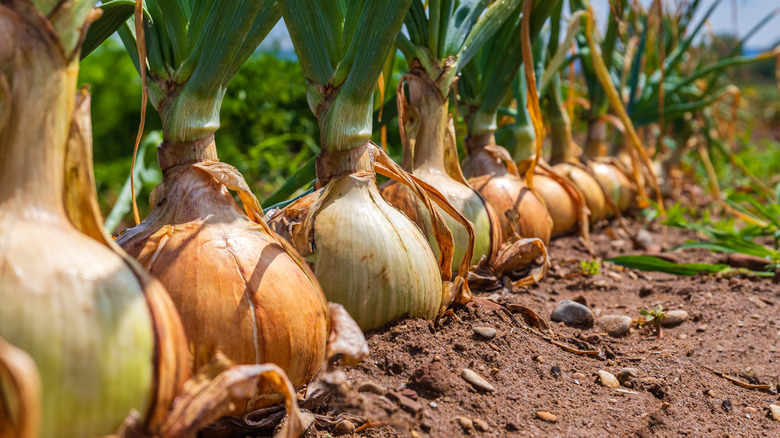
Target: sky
748, 13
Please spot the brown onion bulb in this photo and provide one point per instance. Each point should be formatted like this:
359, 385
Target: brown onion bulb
507, 192
560, 205
594, 195
616, 185
238, 289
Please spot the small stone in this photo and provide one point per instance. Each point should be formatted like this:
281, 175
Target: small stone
727, 406
481, 425
556, 371
615, 325
581, 299
615, 276
708, 295
578, 376
572, 314
476, 380
626, 374
546, 416
373, 388
674, 317
682, 336
415, 434
633, 275
465, 423
755, 316
485, 332
775, 411
702, 328
539, 359
608, 380
711, 393
512, 427
405, 402
749, 410
344, 427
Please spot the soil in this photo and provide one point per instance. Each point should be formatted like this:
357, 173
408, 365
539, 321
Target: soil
680, 388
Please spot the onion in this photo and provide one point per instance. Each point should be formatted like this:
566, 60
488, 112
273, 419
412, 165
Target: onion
492, 172
103, 335
241, 291
430, 154
238, 289
615, 183
590, 188
560, 205
20, 393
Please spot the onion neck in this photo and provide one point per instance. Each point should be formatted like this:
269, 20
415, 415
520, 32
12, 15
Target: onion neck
475, 142
430, 107
170, 154
335, 163
36, 108
596, 140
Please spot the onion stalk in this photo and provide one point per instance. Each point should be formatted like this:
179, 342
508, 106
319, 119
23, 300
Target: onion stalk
91, 320
484, 85
367, 255
241, 290
438, 46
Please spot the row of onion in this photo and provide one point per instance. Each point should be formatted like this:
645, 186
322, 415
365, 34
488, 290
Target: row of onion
232, 285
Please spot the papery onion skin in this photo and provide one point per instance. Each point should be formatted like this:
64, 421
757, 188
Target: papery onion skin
368, 256
615, 184
594, 195
560, 206
236, 288
463, 198
507, 192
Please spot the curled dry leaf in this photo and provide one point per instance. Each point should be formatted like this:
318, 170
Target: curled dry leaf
218, 389
20, 403
346, 339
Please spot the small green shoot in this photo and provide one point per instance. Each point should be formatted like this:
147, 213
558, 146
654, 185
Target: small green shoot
652, 318
590, 268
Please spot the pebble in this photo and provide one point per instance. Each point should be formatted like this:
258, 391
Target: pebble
476, 380
465, 423
485, 332
682, 336
615, 325
572, 313
546, 416
555, 371
608, 380
726, 405
627, 373
539, 359
674, 317
702, 328
775, 410
344, 427
481, 425
373, 388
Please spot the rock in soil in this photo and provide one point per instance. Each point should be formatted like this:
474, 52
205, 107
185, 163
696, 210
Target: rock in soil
727, 406
345, 427
485, 332
372, 387
465, 423
572, 314
615, 325
476, 380
555, 370
481, 425
674, 317
546, 416
775, 411
608, 380
432, 378
626, 374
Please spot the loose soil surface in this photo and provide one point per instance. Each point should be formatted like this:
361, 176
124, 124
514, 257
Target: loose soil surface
681, 386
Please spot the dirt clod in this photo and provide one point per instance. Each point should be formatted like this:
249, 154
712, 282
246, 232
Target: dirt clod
432, 379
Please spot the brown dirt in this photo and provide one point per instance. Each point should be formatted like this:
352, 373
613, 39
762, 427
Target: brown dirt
734, 328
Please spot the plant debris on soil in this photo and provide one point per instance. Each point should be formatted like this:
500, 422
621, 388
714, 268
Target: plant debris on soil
490, 369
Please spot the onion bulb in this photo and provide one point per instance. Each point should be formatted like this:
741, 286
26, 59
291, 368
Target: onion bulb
430, 154
492, 172
104, 336
590, 188
615, 183
367, 255
560, 205
239, 290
